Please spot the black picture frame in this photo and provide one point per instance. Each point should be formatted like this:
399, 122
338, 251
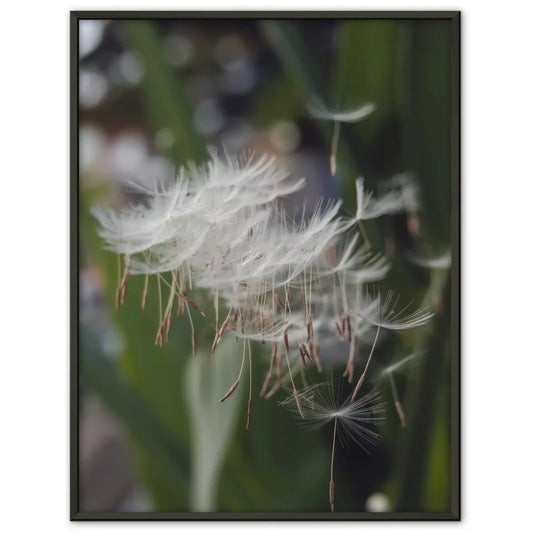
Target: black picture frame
454, 18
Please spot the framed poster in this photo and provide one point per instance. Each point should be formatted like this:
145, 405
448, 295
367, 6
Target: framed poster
265, 265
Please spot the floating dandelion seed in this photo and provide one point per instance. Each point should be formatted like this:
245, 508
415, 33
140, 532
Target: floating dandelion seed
388, 373
439, 262
351, 420
369, 207
399, 365
320, 111
384, 314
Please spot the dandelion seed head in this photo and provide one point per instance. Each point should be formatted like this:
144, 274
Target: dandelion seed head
387, 313
438, 262
369, 207
321, 405
399, 365
318, 110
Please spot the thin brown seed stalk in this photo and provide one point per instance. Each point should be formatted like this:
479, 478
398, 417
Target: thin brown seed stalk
145, 293
168, 322
273, 390
277, 300
220, 333
159, 336
401, 415
397, 403
270, 368
295, 392
331, 482
277, 385
332, 495
234, 386
310, 329
302, 354
124, 283
315, 350
349, 370
231, 390
349, 328
191, 303
306, 352
249, 414
297, 400
357, 387
362, 378
334, 145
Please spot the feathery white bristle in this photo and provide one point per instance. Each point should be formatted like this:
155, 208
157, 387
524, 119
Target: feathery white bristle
386, 313
320, 407
438, 262
318, 110
369, 207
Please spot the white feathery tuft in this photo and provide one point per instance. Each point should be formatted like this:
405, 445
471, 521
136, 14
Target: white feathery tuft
318, 110
385, 312
354, 420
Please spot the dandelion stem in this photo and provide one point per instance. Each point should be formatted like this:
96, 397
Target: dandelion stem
362, 378
353, 341
231, 390
331, 483
295, 392
124, 283
220, 332
159, 336
145, 292
277, 385
271, 367
334, 146
397, 403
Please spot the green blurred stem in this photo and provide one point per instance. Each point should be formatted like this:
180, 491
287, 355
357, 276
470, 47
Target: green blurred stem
415, 450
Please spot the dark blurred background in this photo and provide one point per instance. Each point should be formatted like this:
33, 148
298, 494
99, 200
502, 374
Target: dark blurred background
154, 95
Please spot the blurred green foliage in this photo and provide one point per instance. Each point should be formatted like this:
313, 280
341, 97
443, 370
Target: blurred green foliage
403, 67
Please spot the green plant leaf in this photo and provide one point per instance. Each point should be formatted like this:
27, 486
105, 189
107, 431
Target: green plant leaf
168, 456
207, 379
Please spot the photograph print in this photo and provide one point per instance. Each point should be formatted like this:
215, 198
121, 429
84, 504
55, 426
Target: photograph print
265, 266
